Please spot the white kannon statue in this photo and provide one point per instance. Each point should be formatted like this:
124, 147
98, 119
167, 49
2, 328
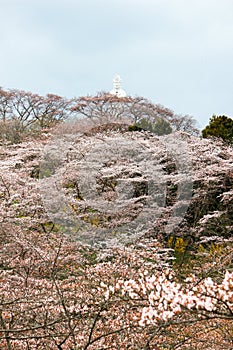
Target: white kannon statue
117, 90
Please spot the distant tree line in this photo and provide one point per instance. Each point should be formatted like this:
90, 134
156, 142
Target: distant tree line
23, 113
142, 113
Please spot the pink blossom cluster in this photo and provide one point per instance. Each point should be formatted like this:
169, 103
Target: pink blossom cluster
163, 297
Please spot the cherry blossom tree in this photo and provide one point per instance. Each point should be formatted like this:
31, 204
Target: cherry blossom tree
23, 112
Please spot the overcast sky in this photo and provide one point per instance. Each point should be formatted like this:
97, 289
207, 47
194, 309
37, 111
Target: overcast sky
178, 53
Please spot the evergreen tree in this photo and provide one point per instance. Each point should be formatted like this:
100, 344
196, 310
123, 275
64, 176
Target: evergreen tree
220, 126
160, 127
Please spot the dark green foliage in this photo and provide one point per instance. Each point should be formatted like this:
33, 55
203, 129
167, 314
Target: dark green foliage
220, 126
134, 128
160, 127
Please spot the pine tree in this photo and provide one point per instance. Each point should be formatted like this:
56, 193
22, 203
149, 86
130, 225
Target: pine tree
221, 127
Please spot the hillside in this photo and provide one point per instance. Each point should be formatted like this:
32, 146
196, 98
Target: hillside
87, 206
130, 173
